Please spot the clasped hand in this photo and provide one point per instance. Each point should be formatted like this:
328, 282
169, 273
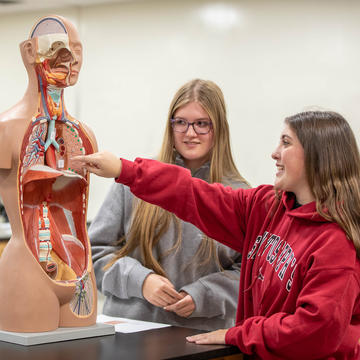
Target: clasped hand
159, 291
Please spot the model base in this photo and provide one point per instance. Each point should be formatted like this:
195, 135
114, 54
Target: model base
60, 334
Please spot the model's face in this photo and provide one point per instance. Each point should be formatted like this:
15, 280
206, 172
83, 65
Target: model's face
67, 64
194, 148
76, 49
290, 163
60, 66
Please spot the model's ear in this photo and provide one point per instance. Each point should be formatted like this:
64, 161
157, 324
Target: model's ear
28, 50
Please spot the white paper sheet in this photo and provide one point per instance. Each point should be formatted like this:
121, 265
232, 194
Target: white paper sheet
124, 325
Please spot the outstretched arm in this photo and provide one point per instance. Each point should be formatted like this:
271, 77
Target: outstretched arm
216, 210
213, 208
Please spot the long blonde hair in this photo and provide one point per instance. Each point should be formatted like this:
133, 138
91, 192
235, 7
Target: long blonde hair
332, 164
150, 222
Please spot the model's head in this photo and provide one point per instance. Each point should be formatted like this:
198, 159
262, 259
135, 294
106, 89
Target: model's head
200, 102
55, 50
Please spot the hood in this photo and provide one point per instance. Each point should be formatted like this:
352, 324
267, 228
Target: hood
307, 211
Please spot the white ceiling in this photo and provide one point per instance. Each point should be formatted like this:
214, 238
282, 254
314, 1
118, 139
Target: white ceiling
13, 6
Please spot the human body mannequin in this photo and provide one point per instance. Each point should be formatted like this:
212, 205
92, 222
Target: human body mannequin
46, 266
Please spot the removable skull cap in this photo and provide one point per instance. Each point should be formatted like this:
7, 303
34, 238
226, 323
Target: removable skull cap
48, 25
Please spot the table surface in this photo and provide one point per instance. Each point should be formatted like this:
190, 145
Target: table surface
165, 343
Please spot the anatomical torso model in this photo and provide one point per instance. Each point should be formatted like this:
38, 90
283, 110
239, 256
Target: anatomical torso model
46, 275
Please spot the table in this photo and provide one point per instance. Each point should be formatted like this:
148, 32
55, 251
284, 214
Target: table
165, 343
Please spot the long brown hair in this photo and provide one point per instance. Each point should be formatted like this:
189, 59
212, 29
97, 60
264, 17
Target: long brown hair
150, 222
332, 164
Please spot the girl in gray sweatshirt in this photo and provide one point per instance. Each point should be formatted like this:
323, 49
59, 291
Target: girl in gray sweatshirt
142, 265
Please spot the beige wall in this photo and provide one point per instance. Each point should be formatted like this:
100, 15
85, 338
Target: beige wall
271, 58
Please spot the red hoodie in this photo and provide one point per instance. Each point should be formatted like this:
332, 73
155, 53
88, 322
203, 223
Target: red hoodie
299, 289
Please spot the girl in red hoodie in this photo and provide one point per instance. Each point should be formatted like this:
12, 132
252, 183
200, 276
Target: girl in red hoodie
300, 239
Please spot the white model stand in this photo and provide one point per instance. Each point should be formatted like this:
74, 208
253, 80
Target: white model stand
60, 334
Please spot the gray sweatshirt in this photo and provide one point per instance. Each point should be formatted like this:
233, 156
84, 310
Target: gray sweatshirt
215, 292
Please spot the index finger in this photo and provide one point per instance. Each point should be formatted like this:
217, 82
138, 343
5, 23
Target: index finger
80, 158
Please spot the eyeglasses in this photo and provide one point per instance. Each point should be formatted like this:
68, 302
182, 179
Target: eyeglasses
201, 127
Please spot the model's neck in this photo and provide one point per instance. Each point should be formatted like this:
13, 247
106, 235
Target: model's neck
54, 93
51, 99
